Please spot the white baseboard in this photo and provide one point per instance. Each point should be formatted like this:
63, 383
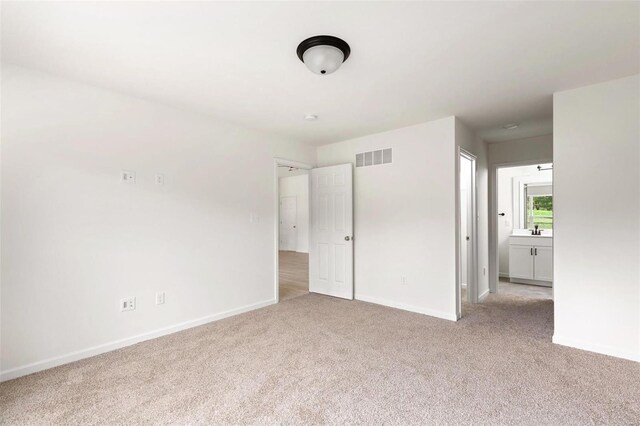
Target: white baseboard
591, 347
128, 341
503, 275
405, 307
483, 295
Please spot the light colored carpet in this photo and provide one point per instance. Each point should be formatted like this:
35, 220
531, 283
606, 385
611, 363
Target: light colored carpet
293, 275
320, 360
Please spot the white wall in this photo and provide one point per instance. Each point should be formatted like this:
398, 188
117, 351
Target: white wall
596, 154
298, 186
75, 240
539, 148
508, 222
404, 217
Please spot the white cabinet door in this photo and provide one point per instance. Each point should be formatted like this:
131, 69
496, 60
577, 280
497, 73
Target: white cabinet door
543, 263
521, 262
331, 233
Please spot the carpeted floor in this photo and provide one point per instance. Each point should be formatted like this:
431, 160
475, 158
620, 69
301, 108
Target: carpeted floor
320, 360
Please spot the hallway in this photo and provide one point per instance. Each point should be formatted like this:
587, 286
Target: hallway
293, 274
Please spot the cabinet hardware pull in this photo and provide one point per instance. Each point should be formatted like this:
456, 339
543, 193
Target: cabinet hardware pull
531, 251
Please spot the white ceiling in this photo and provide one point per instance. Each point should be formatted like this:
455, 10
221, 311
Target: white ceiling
527, 128
489, 63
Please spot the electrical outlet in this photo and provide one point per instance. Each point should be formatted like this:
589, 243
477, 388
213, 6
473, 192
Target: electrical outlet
127, 176
403, 280
159, 179
160, 298
128, 304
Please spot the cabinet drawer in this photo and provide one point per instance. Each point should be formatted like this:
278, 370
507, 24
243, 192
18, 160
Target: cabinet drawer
527, 240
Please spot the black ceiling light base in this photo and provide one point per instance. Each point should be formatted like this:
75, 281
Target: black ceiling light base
323, 40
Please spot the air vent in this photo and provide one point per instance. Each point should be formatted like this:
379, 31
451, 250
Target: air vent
374, 158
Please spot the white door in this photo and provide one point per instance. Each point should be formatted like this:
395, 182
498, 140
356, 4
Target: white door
331, 233
521, 262
543, 263
288, 223
464, 237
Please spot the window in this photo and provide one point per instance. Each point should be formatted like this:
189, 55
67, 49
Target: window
539, 207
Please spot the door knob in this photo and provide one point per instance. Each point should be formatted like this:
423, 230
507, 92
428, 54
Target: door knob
347, 238
500, 214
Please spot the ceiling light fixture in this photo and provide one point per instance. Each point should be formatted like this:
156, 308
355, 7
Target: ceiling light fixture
311, 117
323, 54
510, 126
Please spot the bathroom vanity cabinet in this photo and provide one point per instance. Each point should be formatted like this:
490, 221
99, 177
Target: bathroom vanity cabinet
531, 259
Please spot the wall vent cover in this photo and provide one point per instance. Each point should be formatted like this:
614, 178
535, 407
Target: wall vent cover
374, 158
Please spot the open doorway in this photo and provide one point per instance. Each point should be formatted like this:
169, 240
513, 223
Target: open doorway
293, 231
466, 235
314, 243
524, 204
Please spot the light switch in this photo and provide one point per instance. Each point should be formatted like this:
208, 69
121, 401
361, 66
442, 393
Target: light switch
127, 176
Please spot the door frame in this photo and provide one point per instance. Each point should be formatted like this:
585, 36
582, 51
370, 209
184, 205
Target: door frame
472, 259
494, 259
276, 222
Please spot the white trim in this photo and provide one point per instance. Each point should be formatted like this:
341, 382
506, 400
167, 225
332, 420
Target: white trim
591, 347
539, 283
484, 294
128, 341
276, 208
405, 307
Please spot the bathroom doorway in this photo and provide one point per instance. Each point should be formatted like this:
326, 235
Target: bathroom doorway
524, 231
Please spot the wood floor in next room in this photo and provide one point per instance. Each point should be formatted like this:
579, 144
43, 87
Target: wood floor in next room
294, 274
323, 360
